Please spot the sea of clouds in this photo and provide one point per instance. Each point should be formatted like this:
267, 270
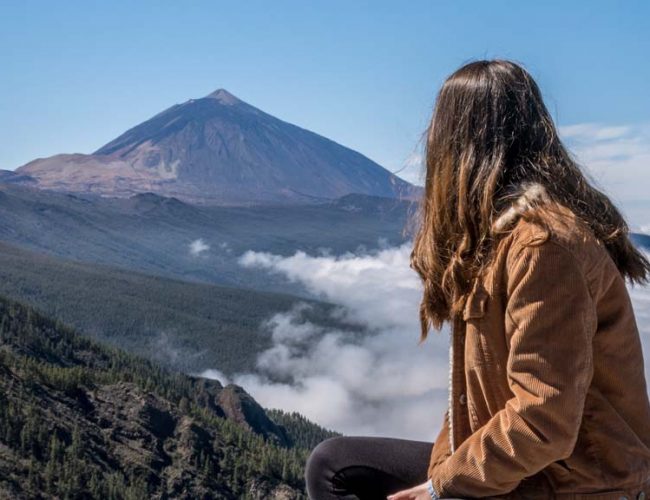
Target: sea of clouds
384, 384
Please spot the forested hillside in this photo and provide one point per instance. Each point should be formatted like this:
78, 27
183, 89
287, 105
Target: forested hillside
81, 420
185, 326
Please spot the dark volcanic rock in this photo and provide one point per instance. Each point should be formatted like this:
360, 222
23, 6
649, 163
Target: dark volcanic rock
239, 406
11, 177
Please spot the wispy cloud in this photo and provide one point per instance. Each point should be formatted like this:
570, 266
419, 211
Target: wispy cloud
595, 131
617, 157
412, 169
197, 247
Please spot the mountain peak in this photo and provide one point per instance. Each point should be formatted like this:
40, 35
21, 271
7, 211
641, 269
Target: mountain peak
220, 150
224, 97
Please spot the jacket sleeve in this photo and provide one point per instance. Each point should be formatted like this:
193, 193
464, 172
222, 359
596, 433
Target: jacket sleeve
550, 321
441, 448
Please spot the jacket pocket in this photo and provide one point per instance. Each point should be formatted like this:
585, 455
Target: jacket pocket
474, 315
475, 304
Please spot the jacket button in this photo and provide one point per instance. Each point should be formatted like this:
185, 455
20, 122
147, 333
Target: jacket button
462, 399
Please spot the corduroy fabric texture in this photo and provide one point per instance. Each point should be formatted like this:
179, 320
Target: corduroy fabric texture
547, 396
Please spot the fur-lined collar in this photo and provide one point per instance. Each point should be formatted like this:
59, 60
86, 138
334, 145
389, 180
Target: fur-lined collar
530, 194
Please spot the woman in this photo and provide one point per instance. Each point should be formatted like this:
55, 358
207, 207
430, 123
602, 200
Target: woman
527, 262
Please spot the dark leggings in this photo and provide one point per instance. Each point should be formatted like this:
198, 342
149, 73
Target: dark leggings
364, 467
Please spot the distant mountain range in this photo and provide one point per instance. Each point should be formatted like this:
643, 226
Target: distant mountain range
153, 234
641, 240
217, 150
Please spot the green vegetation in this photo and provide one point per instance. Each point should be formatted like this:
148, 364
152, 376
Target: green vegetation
82, 420
185, 326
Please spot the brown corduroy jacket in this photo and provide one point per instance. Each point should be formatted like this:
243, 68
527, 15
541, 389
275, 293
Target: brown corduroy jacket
547, 395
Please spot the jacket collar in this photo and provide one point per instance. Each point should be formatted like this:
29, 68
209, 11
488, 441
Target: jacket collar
531, 194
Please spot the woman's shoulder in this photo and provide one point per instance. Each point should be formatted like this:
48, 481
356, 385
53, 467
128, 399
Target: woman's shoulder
557, 224
537, 221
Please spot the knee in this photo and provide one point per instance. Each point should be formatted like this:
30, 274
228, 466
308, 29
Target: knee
322, 463
323, 457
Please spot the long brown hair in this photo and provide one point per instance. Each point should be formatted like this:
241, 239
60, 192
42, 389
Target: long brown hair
491, 134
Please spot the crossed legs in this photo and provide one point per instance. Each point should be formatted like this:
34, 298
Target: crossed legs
365, 467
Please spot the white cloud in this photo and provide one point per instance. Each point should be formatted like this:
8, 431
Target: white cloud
215, 374
594, 131
382, 383
412, 169
197, 247
377, 288
618, 159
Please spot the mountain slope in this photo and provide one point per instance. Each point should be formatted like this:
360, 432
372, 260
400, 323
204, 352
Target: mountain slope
11, 177
220, 150
641, 240
79, 420
189, 327
154, 234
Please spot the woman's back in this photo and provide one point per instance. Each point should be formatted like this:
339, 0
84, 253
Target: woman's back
547, 362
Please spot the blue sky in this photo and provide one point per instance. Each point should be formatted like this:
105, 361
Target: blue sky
77, 74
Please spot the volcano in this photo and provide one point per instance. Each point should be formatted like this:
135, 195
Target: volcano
219, 150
